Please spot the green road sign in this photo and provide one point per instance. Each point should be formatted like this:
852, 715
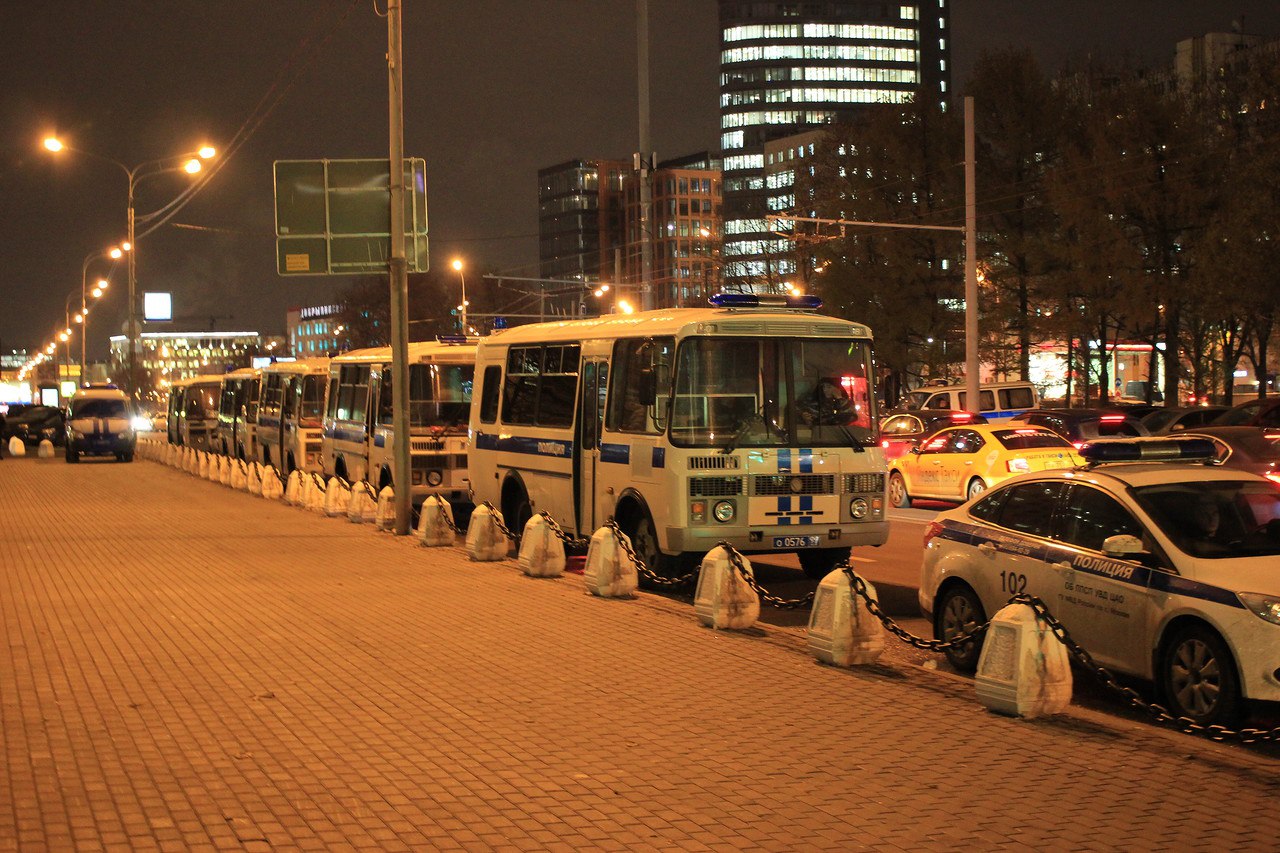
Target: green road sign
333, 217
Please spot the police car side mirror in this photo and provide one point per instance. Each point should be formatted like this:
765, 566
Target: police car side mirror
1122, 546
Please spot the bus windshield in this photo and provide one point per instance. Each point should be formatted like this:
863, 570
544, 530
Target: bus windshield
311, 406
773, 392
440, 395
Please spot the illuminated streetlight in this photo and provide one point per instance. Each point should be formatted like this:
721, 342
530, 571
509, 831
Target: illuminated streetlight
53, 143
457, 266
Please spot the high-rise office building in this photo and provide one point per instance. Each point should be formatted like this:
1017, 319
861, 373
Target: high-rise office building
787, 67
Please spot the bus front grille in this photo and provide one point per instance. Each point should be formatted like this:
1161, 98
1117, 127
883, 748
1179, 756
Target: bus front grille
794, 484
863, 483
714, 487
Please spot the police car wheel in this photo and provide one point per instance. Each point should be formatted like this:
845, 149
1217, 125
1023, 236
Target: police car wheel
958, 612
976, 487
898, 491
1198, 677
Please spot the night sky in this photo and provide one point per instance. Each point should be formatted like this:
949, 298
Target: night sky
494, 90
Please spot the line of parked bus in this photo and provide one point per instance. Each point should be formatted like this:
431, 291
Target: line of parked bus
753, 421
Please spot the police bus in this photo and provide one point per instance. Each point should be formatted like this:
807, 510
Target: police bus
193, 411
291, 414
752, 421
237, 413
358, 437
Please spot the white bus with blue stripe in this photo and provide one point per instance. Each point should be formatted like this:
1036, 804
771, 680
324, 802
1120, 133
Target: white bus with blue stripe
752, 421
291, 412
358, 439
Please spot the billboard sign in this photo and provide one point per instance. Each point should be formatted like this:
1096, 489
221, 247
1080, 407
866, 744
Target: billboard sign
157, 306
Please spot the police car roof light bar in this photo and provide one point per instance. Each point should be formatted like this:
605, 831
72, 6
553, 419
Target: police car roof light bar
755, 300
1148, 450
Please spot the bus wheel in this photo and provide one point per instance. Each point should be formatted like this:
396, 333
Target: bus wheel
819, 562
644, 540
516, 512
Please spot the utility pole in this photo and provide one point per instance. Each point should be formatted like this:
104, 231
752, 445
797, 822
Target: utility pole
399, 275
643, 164
971, 360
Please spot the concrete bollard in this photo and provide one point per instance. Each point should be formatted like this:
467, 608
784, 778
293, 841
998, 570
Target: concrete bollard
293, 488
1024, 669
315, 494
202, 465
609, 572
541, 551
840, 632
485, 542
44, 450
253, 479
16, 447
272, 488
385, 517
362, 506
224, 471
434, 520
239, 476
724, 599
336, 497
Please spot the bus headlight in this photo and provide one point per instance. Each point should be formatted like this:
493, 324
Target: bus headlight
858, 507
724, 511
434, 478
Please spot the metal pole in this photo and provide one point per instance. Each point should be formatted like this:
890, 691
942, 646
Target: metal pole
399, 275
462, 277
971, 362
84, 321
646, 189
132, 325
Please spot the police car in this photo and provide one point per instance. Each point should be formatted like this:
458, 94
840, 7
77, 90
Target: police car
100, 422
1160, 563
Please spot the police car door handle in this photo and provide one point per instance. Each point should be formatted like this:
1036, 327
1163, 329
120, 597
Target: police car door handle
987, 548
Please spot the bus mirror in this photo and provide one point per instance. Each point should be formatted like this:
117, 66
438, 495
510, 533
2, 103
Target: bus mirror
647, 386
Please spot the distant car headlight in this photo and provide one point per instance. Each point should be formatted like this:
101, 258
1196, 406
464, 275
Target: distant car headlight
724, 511
1263, 606
140, 423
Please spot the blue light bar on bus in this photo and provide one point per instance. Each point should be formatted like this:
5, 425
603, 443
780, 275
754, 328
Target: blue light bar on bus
753, 300
453, 339
1148, 450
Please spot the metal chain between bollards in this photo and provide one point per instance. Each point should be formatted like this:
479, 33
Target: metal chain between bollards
569, 541
1158, 712
447, 517
497, 519
858, 589
649, 574
735, 559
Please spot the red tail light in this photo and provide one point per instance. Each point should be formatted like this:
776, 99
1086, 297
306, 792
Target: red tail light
932, 530
962, 417
1272, 476
1112, 419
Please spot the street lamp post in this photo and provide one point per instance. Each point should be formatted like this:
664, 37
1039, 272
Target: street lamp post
114, 253
180, 163
457, 265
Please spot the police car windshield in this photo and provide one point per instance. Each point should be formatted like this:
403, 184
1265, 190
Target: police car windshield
98, 408
1217, 519
1027, 439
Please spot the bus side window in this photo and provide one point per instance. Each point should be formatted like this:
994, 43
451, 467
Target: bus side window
386, 409
629, 410
333, 396
490, 393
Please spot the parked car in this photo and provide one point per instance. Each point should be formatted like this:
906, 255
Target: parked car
1264, 412
901, 431
1252, 449
35, 424
1160, 566
998, 401
1080, 425
957, 463
1177, 418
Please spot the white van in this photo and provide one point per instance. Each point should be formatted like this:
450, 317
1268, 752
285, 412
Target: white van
998, 401
100, 423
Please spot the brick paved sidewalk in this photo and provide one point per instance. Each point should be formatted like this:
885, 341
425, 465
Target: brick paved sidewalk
188, 668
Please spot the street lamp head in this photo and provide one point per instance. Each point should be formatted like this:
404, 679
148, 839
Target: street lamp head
207, 152
63, 337
79, 318
126, 246
103, 284
115, 254
193, 166
53, 143
457, 264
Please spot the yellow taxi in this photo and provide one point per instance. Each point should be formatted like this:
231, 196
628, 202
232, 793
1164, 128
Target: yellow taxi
957, 463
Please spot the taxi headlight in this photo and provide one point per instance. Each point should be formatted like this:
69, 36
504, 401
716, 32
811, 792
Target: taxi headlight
858, 507
1263, 606
724, 511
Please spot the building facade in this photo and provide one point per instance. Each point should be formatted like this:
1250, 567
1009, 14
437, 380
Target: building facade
167, 356
787, 67
313, 330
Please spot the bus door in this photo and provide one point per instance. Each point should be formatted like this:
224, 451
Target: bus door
290, 398
379, 428
586, 455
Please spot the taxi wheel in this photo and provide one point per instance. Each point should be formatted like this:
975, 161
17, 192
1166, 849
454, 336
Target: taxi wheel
976, 487
958, 612
1198, 677
898, 491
